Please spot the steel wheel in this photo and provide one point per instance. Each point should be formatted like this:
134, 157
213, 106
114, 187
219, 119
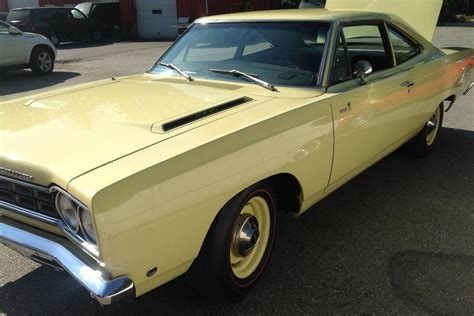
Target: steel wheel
432, 127
423, 143
250, 237
238, 245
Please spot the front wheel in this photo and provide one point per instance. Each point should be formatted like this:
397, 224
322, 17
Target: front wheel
424, 142
238, 246
42, 61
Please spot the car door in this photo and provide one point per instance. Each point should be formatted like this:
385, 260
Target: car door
80, 22
367, 120
427, 82
13, 47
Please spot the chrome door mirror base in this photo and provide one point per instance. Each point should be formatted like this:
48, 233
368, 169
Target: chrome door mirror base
361, 70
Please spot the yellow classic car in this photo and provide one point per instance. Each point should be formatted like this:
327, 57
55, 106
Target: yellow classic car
128, 183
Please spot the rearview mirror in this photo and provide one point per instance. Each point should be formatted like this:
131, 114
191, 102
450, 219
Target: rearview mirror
362, 69
14, 31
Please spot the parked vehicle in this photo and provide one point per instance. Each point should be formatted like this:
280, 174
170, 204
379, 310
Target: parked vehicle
108, 13
130, 182
20, 50
57, 23
3, 16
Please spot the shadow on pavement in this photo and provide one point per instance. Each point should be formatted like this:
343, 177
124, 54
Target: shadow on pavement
395, 240
24, 80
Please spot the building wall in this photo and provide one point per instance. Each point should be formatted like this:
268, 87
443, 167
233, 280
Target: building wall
197, 8
60, 3
3, 6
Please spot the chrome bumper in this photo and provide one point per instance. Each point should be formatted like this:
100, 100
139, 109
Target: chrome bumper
468, 88
48, 251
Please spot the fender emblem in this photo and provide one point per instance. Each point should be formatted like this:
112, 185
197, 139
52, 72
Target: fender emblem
15, 173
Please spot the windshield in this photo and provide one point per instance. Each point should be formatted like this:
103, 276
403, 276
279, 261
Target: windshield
281, 53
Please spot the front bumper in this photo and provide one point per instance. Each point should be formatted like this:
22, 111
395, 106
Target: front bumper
34, 245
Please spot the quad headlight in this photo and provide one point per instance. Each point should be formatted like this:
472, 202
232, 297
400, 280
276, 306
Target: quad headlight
68, 211
87, 225
76, 217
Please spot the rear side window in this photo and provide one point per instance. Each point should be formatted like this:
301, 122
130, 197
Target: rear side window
403, 48
18, 15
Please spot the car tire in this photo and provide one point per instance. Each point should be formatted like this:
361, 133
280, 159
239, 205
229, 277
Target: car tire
54, 38
96, 35
238, 246
42, 61
424, 142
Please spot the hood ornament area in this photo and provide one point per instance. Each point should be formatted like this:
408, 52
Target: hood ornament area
14, 173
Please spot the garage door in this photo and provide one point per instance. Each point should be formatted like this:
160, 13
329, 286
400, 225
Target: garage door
12, 4
156, 19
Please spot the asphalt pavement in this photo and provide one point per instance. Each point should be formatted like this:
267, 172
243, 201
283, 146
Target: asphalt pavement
397, 239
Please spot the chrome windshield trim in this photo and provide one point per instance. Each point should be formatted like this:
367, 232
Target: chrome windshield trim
92, 275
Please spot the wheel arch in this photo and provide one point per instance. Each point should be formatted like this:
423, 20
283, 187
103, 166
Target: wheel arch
38, 46
448, 102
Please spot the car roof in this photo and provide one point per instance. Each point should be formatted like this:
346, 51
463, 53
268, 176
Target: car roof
316, 14
40, 8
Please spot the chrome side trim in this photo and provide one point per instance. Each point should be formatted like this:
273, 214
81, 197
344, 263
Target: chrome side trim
38, 248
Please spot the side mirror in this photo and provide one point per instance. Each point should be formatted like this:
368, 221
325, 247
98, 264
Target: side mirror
362, 69
14, 31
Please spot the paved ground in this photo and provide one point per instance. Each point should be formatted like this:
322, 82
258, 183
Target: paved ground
398, 239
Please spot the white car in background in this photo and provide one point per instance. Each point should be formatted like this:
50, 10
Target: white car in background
20, 50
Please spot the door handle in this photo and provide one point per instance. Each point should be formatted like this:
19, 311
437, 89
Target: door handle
407, 84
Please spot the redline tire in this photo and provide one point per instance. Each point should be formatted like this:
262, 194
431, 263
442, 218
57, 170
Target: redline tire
215, 273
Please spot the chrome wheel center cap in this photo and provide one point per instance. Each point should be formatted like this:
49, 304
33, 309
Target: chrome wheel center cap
431, 125
246, 235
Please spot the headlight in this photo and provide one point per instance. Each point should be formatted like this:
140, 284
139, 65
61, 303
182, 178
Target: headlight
68, 211
87, 225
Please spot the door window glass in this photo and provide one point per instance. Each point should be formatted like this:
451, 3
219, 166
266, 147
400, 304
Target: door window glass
76, 14
341, 70
403, 48
365, 42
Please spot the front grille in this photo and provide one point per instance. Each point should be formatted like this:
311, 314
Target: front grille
31, 198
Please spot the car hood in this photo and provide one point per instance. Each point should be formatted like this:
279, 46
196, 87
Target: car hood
59, 136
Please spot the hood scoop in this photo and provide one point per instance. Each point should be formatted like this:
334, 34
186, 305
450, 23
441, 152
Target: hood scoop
181, 121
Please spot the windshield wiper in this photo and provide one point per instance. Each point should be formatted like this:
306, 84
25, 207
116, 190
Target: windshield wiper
253, 78
178, 70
